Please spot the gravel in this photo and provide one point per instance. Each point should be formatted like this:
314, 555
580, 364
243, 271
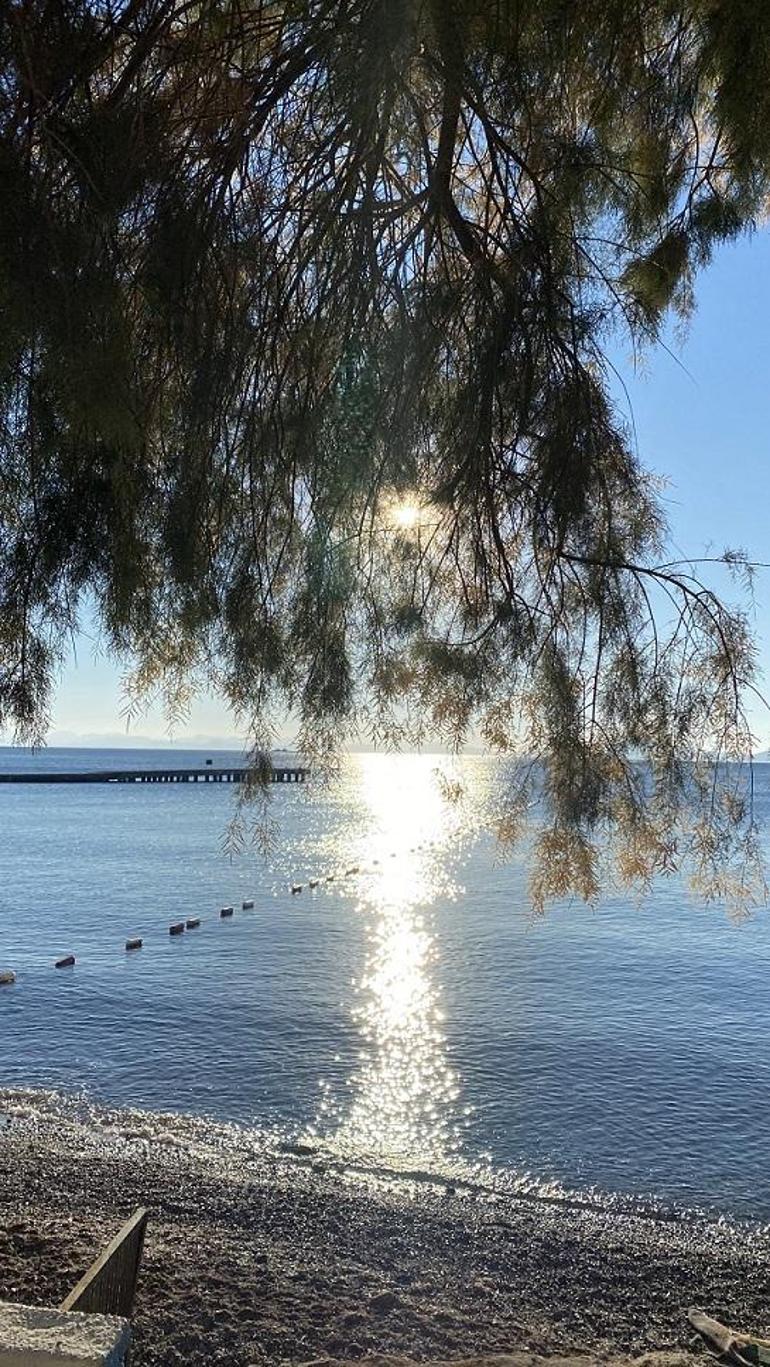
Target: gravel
264, 1253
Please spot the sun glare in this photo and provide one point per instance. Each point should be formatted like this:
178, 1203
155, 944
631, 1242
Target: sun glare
404, 1091
405, 516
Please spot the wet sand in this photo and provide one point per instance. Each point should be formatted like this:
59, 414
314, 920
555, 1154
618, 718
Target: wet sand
255, 1254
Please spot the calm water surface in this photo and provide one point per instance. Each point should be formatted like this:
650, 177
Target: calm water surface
410, 1014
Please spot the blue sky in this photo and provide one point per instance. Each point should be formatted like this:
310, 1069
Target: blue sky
702, 417
702, 420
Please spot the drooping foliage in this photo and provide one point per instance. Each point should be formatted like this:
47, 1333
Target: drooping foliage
304, 315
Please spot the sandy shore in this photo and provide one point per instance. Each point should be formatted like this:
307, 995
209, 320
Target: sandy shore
257, 1255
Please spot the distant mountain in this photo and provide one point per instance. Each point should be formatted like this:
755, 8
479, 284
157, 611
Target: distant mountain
122, 740
119, 740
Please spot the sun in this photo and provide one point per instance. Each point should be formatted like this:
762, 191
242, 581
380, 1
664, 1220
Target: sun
405, 516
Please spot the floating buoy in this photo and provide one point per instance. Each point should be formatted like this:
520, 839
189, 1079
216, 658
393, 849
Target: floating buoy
193, 923
225, 912
247, 906
7, 977
133, 944
67, 962
177, 928
295, 888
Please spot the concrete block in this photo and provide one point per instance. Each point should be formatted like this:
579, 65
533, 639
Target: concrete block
35, 1336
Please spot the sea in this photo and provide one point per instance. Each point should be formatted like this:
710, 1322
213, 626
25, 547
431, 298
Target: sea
389, 997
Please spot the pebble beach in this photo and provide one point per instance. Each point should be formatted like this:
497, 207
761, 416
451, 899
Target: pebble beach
259, 1252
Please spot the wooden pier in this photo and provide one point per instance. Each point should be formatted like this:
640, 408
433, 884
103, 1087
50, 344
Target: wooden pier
207, 775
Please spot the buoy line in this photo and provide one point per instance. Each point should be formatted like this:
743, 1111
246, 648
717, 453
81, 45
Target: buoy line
8, 976
176, 929
376, 864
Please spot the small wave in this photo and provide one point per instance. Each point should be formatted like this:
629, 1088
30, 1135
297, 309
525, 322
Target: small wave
169, 1135
482, 1180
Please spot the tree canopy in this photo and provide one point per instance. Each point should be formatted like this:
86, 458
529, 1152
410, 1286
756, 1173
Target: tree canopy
305, 308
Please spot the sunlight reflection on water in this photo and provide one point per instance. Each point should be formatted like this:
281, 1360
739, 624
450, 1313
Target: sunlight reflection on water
404, 1103
616, 1047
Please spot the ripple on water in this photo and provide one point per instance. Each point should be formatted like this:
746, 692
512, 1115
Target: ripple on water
408, 1017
